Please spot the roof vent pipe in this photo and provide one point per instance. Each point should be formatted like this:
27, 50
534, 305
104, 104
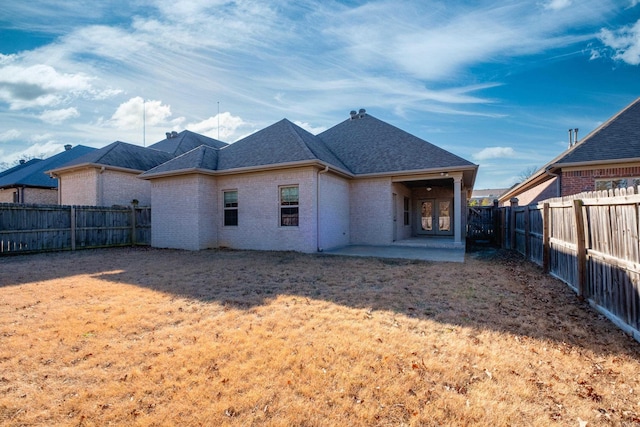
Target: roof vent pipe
570, 137
23, 161
362, 112
575, 139
174, 134
353, 114
67, 147
168, 134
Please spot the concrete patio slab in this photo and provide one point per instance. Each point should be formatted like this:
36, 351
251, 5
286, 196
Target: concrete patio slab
448, 254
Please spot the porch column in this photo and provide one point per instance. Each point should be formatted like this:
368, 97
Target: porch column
457, 209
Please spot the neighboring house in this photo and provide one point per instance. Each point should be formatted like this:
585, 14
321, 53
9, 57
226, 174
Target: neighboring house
109, 176
363, 181
28, 182
486, 196
607, 158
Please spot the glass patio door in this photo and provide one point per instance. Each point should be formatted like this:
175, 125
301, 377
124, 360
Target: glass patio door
435, 217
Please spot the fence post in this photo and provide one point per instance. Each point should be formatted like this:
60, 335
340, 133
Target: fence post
495, 212
73, 227
546, 238
133, 225
527, 233
512, 223
581, 256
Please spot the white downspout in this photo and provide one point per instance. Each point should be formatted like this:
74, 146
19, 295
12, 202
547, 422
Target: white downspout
320, 172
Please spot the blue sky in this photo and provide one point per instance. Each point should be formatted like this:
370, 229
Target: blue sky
498, 83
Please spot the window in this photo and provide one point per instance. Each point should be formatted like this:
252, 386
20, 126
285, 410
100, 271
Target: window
406, 211
289, 206
230, 208
609, 184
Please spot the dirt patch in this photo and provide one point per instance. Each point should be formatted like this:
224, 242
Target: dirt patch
163, 337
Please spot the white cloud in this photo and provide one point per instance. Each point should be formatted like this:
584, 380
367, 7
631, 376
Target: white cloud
10, 135
129, 115
229, 125
494, 153
306, 126
38, 85
38, 150
59, 116
557, 4
625, 42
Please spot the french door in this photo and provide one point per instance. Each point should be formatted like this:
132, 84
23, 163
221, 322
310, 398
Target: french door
435, 217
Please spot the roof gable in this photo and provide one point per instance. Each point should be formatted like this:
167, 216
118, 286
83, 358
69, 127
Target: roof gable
33, 174
202, 157
282, 142
367, 145
617, 139
185, 141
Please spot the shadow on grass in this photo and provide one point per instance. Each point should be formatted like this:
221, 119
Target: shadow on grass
493, 290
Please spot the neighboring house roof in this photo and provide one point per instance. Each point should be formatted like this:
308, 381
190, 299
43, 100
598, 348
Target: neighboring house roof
119, 155
488, 193
201, 158
615, 141
178, 143
19, 166
370, 146
34, 174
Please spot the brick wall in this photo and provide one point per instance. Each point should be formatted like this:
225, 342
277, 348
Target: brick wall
371, 212
259, 211
78, 187
120, 188
184, 212
578, 181
6, 195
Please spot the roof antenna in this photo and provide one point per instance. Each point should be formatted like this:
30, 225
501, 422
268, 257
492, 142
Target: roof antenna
218, 120
144, 122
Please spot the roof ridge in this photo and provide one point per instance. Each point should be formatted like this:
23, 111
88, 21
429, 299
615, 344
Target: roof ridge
301, 140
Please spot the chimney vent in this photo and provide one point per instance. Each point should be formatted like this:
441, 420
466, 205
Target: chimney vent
353, 114
362, 112
68, 147
23, 161
168, 134
575, 139
174, 134
570, 137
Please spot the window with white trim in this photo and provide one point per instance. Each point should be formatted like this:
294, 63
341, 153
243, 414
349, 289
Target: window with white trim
289, 204
231, 208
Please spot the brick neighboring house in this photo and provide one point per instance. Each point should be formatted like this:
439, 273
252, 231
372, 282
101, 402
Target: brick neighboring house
363, 181
607, 158
29, 182
109, 176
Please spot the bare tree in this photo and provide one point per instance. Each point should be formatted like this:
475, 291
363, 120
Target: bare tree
527, 173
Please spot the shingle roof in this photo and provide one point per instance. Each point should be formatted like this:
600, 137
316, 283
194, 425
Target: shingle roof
18, 167
367, 145
618, 138
122, 155
282, 142
202, 157
32, 173
186, 141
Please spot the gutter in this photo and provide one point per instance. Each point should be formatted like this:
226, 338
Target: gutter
547, 170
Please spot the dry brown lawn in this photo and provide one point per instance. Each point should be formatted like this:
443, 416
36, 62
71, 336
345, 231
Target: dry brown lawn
163, 337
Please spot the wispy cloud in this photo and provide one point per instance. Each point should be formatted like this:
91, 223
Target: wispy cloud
10, 135
59, 116
624, 41
557, 4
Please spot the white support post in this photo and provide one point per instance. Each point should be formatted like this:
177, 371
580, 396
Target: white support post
457, 210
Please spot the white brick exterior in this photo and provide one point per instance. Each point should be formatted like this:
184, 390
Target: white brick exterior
402, 231
259, 211
6, 195
334, 207
371, 212
184, 213
93, 187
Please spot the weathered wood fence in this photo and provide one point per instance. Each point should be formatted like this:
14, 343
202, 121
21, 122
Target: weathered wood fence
41, 228
589, 241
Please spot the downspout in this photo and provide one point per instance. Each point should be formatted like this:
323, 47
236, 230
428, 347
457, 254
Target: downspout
100, 188
556, 175
320, 172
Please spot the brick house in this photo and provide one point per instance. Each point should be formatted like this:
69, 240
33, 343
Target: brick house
109, 176
607, 158
363, 181
28, 182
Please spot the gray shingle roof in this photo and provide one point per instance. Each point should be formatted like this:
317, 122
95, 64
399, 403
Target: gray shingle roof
32, 173
282, 142
618, 138
122, 155
18, 167
367, 145
202, 157
186, 141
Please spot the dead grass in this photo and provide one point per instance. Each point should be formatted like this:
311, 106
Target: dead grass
158, 337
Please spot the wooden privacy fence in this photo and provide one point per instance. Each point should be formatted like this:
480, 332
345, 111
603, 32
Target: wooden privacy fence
590, 241
41, 228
